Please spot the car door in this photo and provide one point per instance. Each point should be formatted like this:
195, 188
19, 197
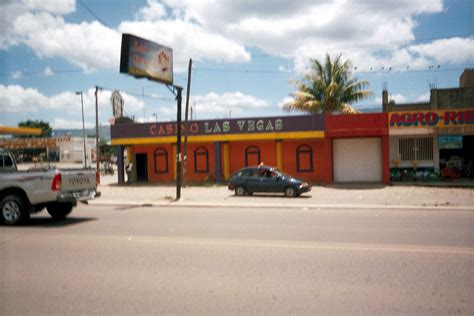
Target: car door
271, 182
252, 180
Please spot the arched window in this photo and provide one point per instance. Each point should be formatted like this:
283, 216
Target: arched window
304, 158
161, 160
201, 160
252, 156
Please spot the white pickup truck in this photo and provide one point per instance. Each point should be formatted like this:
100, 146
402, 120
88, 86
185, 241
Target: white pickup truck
25, 192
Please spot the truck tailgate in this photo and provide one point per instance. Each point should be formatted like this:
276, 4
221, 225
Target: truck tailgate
78, 180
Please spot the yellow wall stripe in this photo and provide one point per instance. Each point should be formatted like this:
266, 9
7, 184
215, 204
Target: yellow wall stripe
220, 137
279, 157
225, 151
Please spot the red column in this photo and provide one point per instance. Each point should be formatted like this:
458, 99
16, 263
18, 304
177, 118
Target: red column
385, 160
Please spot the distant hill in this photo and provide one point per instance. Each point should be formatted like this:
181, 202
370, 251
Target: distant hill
104, 132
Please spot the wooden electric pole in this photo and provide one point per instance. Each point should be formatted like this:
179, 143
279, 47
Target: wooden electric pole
186, 122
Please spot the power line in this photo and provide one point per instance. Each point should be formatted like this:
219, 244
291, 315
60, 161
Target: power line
93, 14
373, 70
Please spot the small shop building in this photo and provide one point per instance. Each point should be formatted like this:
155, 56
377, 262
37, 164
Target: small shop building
436, 135
57, 148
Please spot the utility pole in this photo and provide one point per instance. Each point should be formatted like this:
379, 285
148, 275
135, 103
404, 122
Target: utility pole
97, 158
178, 145
186, 121
83, 130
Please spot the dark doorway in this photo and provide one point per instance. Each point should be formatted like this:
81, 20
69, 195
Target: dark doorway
142, 167
458, 155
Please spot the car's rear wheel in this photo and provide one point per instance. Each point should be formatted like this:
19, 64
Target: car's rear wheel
240, 191
290, 192
59, 210
14, 210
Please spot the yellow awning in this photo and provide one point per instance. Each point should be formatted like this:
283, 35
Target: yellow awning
20, 130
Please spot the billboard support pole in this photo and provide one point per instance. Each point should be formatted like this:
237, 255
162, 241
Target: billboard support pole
177, 91
178, 146
185, 160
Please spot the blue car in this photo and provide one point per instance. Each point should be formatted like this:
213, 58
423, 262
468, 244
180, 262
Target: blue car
266, 179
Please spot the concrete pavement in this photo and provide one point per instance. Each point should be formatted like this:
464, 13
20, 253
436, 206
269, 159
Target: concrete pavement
336, 196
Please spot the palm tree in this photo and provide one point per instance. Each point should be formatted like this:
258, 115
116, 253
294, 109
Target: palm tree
328, 89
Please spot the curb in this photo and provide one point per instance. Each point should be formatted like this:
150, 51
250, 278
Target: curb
181, 203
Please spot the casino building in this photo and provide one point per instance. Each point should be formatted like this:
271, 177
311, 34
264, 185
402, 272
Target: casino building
318, 148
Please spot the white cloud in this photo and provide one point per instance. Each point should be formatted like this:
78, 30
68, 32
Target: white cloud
11, 9
62, 107
16, 99
213, 105
188, 40
285, 101
61, 123
87, 45
452, 51
48, 72
373, 34
220, 104
424, 97
16, 75
53, 6
152, 12
398, 98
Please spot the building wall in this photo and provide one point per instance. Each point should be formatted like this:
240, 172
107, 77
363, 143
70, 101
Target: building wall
201, 163
164, 172
310, 156
456, 98
237, 154
73, 150
467, 78
360, 126
440, 99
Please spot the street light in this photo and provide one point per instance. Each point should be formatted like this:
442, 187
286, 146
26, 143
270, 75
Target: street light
83, 129
156, 117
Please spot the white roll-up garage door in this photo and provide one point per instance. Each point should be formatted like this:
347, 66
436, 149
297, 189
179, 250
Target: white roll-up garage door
357, 160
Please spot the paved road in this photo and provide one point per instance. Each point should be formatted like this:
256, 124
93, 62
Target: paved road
126, 260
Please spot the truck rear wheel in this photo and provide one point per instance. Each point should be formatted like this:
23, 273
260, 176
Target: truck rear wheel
14, 210
59, 210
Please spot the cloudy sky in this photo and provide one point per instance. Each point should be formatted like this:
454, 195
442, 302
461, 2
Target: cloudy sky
244, 52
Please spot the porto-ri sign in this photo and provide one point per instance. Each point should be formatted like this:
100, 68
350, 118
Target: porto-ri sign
144, 59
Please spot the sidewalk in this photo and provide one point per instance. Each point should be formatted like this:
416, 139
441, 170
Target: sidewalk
404, 196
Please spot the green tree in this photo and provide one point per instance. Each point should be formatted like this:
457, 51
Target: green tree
328, 89
44, 126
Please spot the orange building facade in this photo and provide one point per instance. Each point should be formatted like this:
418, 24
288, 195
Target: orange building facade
302, 146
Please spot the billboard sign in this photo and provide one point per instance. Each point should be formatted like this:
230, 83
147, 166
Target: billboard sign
145, 59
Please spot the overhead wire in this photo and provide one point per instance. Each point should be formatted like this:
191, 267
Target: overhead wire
93, 13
